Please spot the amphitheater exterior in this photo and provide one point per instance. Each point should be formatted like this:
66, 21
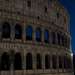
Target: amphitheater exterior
34, 38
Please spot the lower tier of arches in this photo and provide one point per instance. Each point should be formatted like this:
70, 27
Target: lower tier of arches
31, 62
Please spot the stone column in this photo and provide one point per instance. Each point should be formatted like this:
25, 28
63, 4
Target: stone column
57, 65
34, 33
23, 33
72, 63
34, 61
42, 33
50, 40
24, 62
57, 62
12, 62
0, 62
43, 62
0, 30
63, 63
51, 62
12, 32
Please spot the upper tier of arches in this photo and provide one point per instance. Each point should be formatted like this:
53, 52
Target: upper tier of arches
46, 36
48, 10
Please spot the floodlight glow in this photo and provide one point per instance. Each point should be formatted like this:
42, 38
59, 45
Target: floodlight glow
71, 54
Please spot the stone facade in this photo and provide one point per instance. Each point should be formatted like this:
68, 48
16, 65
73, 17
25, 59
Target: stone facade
44, 15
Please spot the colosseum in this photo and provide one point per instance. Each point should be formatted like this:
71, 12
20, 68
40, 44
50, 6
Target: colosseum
34, 38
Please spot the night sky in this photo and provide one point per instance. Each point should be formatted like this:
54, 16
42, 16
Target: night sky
70, 5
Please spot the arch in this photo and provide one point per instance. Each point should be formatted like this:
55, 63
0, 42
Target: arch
69, 61
60, 62
62, 40
65, 41
54, 61
18, 31
47, 61
29, 61
53, 38
65, 62
39, 61
29, 31
46, 36
17, 61
6, 30
38, 35
59, 38
58, 15
68, 42
45, 9
5, 62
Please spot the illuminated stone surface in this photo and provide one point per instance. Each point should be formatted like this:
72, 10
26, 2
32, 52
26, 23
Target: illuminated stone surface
37, 30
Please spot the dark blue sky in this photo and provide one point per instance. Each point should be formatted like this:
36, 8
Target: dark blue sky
70, 5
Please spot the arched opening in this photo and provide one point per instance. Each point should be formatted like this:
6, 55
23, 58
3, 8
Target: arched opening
47, 62
60, 62
54, 62
18, 31
39, 61
65, 41
29, 62
5, 62
46, 36
69, 60
38, 35
6, 30
62, 40
17, 61
29, 32
59, 38
65, 62
53, 38
68, 42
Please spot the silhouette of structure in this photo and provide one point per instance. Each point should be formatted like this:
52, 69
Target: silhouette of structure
34, 38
